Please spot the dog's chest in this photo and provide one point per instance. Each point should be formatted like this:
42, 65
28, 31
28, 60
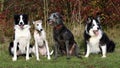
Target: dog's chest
39, 37
22, 34
60, 40
94, 44
94, 41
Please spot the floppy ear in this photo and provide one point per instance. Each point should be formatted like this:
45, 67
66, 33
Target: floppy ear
16, 16
33, 22
40, 21
89, 19
58, 15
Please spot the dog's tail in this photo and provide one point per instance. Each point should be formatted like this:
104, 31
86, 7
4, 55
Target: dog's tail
111, 46
51, 52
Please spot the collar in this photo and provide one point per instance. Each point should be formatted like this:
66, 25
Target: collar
39, 31
58, 27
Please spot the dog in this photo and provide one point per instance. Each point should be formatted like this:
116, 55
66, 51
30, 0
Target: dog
96, 40
63, 37
41, 44
19, 53
22, 36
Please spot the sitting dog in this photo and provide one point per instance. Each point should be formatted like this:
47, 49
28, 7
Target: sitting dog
22, 36
64, 40
41, 44
19, 53
95, 39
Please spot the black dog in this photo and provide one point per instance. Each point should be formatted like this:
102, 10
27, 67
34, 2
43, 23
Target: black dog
64, 40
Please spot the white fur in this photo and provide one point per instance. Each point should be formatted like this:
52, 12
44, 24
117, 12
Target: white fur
22, 36
93, 45
21, 19
40, 38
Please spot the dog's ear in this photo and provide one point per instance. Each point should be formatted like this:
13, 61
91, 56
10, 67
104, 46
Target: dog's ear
40, 21
89, 19
16, 16
33, 22
98, 18
58, 15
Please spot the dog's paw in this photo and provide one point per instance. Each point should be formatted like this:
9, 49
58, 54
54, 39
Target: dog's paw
38, 59
103, 56
86, 56
48, 58
78, 56
14, 58
68, 58
27, 58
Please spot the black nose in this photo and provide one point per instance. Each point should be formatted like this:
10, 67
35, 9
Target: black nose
98, 28
48, 19
41, 29
21, 23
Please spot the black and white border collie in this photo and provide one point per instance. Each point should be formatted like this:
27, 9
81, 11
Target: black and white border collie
95, 39
22, 36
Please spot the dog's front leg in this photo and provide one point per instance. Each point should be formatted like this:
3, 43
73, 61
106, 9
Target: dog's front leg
56, 50
27, 52
15, 51
77, 53
48, 53
103, 51
88, 50
36, 50
67, 49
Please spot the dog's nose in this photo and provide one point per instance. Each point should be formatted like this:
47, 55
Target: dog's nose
98, 28
41, 29
20, 23
48, 19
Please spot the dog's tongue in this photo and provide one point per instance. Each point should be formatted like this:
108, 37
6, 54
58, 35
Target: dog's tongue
96, 32
21, 26
50, 22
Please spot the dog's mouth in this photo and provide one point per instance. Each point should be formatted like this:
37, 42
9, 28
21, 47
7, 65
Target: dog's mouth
50, 21
21, 26
96, 32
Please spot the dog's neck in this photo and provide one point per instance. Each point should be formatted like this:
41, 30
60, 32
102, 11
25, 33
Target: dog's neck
38, 31
57, 27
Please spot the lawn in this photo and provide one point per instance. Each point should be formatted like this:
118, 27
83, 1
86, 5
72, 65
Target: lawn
94, 61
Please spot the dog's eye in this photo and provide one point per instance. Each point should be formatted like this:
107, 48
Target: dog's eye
18, 19
93, 25
37, 24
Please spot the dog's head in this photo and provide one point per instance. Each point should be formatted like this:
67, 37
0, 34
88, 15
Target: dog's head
93, 27
38, 25
55, 19
21, 20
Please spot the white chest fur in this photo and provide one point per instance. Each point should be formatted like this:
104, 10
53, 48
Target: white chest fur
94, 43
22, 36
40, 37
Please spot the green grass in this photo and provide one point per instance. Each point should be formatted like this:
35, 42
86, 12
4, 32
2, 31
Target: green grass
94, 60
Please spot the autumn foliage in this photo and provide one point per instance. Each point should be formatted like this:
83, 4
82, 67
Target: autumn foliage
73, 11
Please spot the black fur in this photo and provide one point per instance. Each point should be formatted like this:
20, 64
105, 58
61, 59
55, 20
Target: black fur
104, 39
63, 37
11, 46
17, 19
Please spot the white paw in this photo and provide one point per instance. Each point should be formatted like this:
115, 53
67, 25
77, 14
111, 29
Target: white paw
27, 58
86, 56
38, 59
48, 58
103, 56
14, 58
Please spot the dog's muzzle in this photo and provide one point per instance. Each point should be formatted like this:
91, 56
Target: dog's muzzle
96, 32
21, 25
50, 21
